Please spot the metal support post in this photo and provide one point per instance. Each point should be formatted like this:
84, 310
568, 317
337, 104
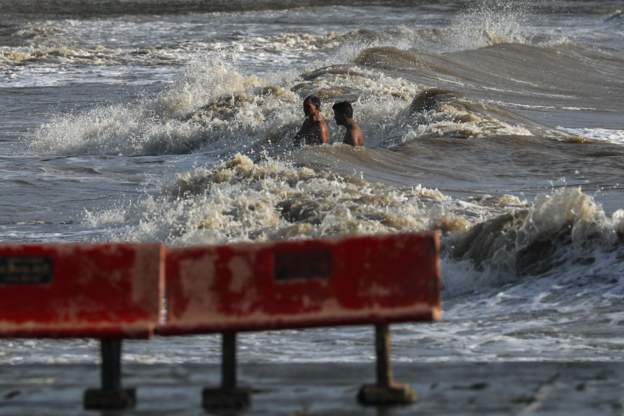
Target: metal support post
382, 349
385, 392
228, 361
111, 395
228, 396
111, 365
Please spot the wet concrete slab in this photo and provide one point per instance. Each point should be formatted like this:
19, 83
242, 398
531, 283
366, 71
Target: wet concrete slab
518, 388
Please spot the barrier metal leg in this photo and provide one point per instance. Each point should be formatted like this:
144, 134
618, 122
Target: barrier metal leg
385, 392
111, 395
228, 396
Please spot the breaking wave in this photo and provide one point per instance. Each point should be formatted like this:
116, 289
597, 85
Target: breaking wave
242, 200
488, 23
216, 104
497, 240
565, 226
165, 124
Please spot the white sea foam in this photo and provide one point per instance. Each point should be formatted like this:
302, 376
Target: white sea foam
443, 124
452, 118
215, 103
157, 125
607, 135
104, 217
496, 240
241, 200
489, 23
556, 231
494, 304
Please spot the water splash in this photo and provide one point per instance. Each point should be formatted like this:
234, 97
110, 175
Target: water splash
565, 228
161, 124
242, 200
489, 23
214, 103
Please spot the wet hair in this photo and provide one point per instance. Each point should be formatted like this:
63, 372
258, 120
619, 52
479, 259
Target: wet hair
314, 100
344, 108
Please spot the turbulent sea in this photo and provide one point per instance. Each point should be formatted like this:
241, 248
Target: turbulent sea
499, 123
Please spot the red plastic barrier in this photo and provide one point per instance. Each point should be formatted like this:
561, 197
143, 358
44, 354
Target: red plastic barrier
70, 290
296, 284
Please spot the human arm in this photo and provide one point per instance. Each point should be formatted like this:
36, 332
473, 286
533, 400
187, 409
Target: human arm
324, 132
358, 136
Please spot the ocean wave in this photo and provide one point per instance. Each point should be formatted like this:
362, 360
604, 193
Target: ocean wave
72, 43
215, 102
112, 7
495, 240
475, 26
442, 113
86, 56
242, 200
157, 125
606, 135
564, 229
495, 22
488, 23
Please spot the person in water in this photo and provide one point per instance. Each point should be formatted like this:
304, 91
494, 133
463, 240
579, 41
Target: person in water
314, 129
343, 114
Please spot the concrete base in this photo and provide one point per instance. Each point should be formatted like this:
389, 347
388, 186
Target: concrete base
221, 399
329, 389
374, 395
97, 399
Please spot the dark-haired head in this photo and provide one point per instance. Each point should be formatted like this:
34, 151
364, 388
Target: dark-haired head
342, 112
343, 108
311, 106
313, 99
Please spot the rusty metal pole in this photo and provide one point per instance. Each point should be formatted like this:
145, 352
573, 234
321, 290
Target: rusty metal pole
228, 361
382, 348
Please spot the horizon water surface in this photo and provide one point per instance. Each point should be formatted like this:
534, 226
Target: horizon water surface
498, 122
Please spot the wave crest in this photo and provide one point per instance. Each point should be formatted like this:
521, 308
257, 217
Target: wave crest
243, 200
565, 226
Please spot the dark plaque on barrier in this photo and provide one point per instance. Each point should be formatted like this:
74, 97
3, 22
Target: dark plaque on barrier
25, 270
308, 264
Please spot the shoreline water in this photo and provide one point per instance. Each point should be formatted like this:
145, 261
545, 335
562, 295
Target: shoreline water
130, 127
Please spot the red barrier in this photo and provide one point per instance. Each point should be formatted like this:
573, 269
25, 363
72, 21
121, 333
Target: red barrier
115, 291
70, 290
295, 284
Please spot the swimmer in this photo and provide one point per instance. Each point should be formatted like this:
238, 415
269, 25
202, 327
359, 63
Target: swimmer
314, 129
343, 114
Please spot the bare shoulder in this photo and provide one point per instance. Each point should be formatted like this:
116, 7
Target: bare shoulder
357, 136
